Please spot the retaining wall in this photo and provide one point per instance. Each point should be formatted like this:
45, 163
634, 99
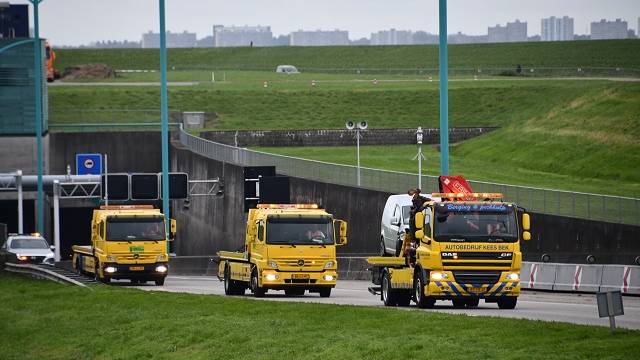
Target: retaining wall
335, 137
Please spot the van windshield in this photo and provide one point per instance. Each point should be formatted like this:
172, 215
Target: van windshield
300, 230
135, 229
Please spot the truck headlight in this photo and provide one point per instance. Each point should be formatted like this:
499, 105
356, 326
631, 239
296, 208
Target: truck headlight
513, 277
328, 264
110, 269
160, 258
271, 277
161, 269
437, 276
329, 278
112, 258
22, 257
273, 264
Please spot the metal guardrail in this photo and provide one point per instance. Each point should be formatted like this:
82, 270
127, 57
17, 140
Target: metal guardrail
41, 272
616, 209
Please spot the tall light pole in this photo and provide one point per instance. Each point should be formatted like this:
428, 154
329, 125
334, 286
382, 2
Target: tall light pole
37, 75
362, 125
419, 156
444, 92
165, 120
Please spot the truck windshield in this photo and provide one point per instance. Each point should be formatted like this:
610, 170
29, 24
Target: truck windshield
135, 229
300, 230
491, 222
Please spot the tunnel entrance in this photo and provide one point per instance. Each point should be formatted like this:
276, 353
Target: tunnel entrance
9, 215
75, 229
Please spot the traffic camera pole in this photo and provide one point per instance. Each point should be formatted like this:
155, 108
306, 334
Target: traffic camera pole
165, 121
444, 92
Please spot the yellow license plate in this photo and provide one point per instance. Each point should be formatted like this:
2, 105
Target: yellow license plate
136, 268
477, 290
299, 276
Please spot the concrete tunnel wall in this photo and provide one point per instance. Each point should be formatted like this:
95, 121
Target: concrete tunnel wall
212, 224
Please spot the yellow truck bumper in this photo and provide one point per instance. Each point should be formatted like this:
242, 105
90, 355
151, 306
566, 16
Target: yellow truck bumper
452, 289
273, 279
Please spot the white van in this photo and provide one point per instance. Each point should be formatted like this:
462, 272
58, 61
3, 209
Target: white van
395, 220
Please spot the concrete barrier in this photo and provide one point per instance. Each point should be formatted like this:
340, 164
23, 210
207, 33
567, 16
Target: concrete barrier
540, 276
353, 268
575, 277
193, 265
623, 278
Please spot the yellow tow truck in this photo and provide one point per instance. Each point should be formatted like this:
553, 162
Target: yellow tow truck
290, 247
127, 242
464, 247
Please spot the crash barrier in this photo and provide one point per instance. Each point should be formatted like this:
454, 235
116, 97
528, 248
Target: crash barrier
580, 278
42, 272
193, 265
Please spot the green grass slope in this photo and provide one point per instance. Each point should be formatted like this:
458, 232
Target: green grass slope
571, 54
48, 320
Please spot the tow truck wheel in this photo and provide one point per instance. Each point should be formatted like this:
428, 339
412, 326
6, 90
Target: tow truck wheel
508, 302
159, 282
389, 297
231, 287
325, 292
421, 300
255, 287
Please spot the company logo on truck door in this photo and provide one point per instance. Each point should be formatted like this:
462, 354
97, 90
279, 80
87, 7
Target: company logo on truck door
476, 247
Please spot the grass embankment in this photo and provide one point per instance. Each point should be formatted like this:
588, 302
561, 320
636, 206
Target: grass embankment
573, 135
608, 53
47, 320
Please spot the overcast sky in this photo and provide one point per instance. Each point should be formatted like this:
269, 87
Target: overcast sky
76, 22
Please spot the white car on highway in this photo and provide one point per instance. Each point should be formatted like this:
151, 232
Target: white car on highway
23, 249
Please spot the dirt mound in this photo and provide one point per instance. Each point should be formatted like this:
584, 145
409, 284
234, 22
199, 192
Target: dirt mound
88, 72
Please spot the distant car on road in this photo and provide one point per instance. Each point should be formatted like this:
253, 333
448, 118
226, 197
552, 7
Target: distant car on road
23, 249
287, 69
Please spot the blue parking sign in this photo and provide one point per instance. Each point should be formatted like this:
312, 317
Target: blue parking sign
88, 164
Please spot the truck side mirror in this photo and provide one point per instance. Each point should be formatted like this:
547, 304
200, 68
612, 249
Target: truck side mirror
526, 222
173, 230
419, 220
419, 234
342, 234
526, 236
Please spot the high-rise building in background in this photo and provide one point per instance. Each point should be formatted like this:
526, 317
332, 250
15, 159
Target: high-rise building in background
392, 37
609, 30
319, 38
234, 36
184, 39
461, 38
557, 29
513, 32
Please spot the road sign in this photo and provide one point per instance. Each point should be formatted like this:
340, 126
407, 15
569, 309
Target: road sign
88, 164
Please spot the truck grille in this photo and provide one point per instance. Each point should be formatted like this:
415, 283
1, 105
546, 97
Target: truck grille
449, 264
477, 255
299, 281
306, 263
476, 277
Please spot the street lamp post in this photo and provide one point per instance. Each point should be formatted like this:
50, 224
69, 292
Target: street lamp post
419, 155
165, 120
444, 92
37, 75
362, 125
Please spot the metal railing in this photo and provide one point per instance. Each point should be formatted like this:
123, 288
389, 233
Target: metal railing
615, 209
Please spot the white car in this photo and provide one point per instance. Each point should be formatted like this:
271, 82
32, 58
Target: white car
395, 220
287, 69
23, 249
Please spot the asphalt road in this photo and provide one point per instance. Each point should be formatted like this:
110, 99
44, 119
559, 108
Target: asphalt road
570, 308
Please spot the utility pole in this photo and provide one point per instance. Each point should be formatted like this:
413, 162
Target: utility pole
444, 92
165, 120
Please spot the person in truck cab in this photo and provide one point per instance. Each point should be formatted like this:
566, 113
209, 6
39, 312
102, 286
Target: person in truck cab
315, 233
